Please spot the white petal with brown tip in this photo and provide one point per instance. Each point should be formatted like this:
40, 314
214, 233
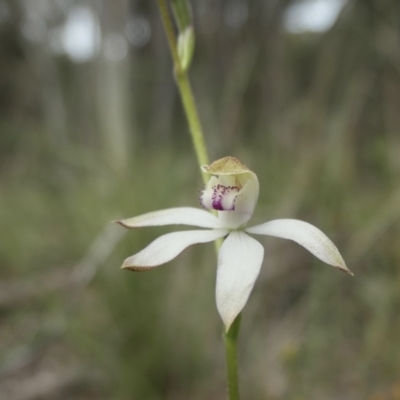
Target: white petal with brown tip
167, 247
306, 235
174, 216
239, 262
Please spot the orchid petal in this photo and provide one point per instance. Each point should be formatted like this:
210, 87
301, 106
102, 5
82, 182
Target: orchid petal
239, 262
307, 236
174, 216
167, 247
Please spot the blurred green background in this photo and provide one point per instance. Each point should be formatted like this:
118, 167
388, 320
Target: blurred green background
306, 93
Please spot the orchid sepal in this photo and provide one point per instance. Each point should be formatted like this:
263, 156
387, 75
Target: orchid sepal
305, 234
173, 216
166, 247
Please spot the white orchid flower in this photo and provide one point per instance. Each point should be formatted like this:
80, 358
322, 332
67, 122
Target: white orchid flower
233, 192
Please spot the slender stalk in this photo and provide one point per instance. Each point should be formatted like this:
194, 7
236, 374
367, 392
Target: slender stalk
196, 131
185, 91
230, 340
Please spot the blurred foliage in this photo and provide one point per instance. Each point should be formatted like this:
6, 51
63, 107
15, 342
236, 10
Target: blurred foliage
315, 115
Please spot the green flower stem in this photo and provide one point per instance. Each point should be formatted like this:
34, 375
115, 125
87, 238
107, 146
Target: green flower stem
230, 340
196, 131
185, 91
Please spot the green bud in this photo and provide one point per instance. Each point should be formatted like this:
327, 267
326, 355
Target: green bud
186, 43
